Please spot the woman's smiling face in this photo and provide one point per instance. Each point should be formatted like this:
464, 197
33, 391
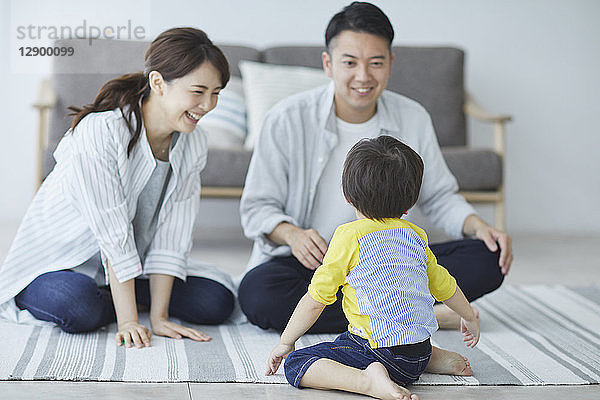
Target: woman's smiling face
187, 99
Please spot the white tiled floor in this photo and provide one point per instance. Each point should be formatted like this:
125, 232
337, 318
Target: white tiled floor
538, 259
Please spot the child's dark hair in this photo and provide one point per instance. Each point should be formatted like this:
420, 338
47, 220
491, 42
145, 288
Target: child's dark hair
382, 177
360, 17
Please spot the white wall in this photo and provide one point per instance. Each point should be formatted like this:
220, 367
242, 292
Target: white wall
536, 60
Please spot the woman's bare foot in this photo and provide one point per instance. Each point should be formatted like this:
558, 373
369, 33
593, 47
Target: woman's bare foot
448, 319
381, 386
448, 363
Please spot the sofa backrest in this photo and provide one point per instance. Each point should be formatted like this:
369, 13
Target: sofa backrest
432, 76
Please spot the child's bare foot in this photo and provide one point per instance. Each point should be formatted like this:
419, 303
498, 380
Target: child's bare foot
448, 363
448, 319
381, 386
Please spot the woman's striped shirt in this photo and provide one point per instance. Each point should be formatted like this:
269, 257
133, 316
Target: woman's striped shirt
88, 202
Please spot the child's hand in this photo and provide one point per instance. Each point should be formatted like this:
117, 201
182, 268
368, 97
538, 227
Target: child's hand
277, 355
133, 331
164, 327
470, 329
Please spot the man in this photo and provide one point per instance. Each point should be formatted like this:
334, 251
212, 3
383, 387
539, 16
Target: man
293, 201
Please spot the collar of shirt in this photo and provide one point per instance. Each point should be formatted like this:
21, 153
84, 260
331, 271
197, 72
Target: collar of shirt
386, 124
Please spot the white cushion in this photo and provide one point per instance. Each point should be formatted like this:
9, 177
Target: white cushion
226, 124
266, 84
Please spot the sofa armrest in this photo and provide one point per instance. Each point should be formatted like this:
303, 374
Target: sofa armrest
45, 100
224, 192
474, 110
46, 97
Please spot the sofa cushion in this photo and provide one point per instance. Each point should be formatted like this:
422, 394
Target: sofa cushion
433, 76
474, 169
266, 84
460, 160
226, 167
225, 125
235, 54
306, 56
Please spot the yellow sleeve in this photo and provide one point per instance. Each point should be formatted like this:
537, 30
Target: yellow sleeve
341, 256
442, 285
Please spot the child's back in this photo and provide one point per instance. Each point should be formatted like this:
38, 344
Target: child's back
385, 267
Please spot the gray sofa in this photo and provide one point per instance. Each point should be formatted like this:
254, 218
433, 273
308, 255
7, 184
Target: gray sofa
431, 75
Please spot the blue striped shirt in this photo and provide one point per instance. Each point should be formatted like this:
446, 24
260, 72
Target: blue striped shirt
388, 275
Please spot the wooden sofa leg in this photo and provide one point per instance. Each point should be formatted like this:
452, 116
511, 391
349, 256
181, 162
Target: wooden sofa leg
499, 214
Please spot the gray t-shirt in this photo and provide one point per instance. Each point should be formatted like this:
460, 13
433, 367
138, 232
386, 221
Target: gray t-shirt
148, 207
144, 221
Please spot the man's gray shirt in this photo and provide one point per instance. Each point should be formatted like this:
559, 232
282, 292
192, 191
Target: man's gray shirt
292, 150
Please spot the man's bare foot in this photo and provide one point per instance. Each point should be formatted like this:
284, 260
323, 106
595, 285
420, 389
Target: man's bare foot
448, 319
448, 363
381, 386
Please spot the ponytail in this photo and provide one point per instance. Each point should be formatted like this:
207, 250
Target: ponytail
126, 93
174, 53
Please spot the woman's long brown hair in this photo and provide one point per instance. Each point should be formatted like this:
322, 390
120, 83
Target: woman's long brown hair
174, 53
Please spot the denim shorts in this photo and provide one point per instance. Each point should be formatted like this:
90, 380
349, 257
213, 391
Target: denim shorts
404, 363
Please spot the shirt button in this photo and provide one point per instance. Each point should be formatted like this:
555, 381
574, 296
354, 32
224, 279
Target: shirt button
320, 159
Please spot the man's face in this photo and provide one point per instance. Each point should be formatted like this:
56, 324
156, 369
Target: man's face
360, 65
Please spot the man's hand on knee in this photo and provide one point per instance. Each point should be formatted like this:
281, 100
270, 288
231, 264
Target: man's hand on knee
492, 238
308, 247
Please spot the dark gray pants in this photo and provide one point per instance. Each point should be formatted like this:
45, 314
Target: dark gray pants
269, 293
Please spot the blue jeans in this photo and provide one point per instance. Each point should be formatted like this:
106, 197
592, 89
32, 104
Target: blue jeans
76, 304
404, 363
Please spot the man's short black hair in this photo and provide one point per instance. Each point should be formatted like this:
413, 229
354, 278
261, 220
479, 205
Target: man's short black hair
360, 17
382, 177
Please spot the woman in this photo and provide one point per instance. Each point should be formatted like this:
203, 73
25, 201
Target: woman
121, 202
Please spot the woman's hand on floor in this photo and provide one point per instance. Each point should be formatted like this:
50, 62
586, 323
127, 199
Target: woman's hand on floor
164, 327
133, 333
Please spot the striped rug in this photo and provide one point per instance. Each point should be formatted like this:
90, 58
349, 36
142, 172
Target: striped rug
531, 335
